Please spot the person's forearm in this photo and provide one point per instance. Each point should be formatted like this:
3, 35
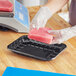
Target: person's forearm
55, 5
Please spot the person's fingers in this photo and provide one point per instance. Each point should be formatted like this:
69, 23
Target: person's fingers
38, 27
32, 26
56, 40
52, 31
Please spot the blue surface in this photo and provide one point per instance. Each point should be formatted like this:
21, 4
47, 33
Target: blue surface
10, 71
20, 9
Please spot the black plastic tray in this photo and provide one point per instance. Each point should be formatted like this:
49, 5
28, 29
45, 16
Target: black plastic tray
35, 49
3, 28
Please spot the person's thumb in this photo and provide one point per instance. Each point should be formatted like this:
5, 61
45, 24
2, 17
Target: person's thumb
52, 32
56, 41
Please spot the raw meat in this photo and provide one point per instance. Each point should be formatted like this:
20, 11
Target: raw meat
6, 6
41, 35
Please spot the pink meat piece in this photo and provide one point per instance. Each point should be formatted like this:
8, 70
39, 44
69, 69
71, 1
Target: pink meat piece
41, 35
6, 6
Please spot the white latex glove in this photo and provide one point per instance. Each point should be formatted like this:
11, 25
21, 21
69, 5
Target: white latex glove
63, 35
41, 18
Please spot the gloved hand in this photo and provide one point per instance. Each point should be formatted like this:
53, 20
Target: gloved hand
41, 18
63, 35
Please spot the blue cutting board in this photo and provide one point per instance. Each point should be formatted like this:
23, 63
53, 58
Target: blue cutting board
10, 71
